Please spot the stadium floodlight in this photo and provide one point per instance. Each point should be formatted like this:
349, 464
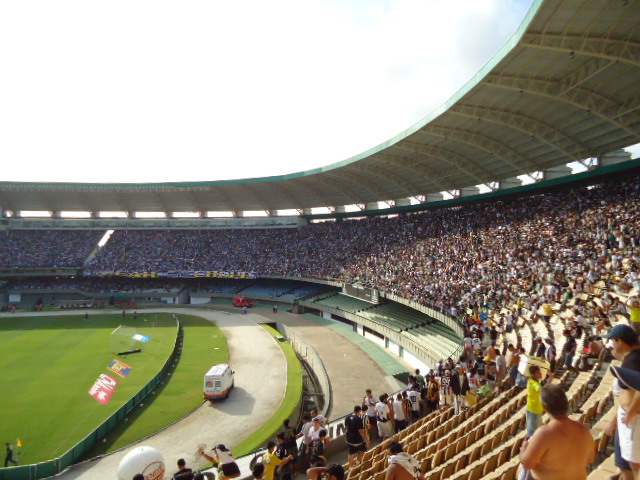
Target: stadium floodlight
122, 339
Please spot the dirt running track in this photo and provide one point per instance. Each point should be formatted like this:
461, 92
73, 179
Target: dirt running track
261, 373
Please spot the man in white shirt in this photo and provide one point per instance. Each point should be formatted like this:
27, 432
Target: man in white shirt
324, 421
385, 428
314, 431
399, 417
370, 402
304, 434
414, 398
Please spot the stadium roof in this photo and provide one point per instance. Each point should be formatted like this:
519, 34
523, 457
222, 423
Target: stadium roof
565, 87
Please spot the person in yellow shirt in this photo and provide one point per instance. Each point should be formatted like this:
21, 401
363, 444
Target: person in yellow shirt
633, 307
547, 312
534, 404
271, 461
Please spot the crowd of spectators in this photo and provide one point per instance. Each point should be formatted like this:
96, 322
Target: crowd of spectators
536, 247
46, 248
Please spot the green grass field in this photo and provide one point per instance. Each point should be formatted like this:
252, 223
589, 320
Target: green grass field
48, 365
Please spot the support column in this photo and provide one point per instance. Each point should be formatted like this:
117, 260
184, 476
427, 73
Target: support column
512, 182
469, 191
611, 158
556, 172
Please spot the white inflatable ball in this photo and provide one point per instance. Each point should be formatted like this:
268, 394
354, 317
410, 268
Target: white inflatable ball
145, 460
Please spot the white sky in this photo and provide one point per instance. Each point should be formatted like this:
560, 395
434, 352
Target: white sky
156, 91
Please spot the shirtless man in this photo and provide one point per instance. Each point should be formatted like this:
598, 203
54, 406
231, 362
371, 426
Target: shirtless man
563, 448
402, 466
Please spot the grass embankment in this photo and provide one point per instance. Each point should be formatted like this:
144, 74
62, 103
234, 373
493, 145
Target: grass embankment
292, 396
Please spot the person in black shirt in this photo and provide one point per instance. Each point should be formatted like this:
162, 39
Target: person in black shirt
539, 347
183, 473
9, 456
355, 436
570, 348
290, 443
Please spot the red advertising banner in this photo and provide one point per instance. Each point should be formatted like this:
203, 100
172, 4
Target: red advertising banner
103, 388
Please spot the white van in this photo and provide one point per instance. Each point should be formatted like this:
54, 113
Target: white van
218, 382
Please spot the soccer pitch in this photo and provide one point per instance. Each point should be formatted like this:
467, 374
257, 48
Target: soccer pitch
49, 364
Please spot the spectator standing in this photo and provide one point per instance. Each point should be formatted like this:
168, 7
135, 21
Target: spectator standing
623, 341
317, 448
355, 436
476, 345
385, 429
223, 459
534, 404
304, 436
513, 360
546, 312
370, 402
570, 348
290, 444
501, 364
272, 462
414, 399
446, 395
459, 387
399, 414
633, 307
433, 395
314, 431
183, 472
550, 353
323, 420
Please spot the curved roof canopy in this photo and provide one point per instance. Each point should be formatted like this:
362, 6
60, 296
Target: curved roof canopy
565, 87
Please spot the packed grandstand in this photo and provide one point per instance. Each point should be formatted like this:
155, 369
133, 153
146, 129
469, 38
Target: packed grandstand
489, 254
473, 291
